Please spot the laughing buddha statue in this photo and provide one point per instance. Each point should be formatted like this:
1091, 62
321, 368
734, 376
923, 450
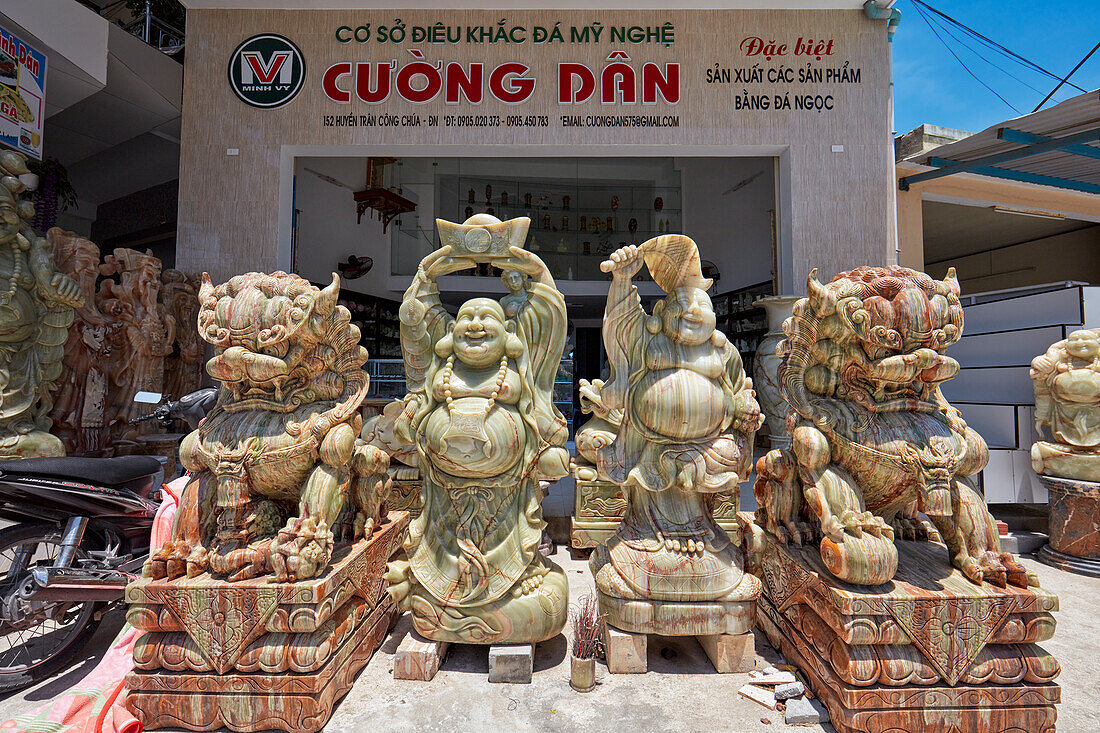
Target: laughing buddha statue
689, 416
480, 412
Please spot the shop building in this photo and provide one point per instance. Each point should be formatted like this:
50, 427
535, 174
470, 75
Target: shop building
312, 134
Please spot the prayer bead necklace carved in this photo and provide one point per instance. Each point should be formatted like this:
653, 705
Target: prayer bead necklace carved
502, 374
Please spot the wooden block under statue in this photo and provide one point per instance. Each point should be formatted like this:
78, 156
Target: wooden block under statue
257, 655
927, 651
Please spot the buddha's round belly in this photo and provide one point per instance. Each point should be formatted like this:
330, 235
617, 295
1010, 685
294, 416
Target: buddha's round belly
680, 403
462, 441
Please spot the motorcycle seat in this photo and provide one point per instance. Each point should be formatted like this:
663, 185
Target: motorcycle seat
100, 471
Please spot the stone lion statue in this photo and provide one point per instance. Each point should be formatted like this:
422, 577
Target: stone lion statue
874, 441
281, 447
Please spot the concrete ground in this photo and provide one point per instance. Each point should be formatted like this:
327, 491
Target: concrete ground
681, 693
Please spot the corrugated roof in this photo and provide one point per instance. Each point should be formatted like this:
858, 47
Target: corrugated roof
1076, 115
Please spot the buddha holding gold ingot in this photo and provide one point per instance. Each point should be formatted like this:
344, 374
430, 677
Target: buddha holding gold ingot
480, 412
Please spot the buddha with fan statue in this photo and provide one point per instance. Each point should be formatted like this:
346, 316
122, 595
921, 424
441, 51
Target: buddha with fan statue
689, 416
480, 413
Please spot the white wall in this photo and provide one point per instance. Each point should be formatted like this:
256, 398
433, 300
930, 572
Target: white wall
327, 231
731, 227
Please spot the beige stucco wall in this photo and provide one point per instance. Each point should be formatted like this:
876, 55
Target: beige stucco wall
836, 208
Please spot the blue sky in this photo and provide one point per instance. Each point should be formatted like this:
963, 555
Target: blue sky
930, 86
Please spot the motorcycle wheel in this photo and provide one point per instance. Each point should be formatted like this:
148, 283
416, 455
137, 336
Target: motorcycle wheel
37, 648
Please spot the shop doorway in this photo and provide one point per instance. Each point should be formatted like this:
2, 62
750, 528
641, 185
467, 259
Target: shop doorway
381, 211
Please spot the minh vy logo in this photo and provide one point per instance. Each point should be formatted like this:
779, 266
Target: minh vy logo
266, 71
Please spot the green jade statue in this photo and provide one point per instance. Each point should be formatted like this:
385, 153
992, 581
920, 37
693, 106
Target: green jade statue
480, 412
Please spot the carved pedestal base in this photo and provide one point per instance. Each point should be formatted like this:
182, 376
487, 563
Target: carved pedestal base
929, 651
254, 655
405, 495
598, 508
1074, 518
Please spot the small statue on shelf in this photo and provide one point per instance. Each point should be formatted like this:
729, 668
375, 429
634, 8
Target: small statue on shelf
565, 202
488, 193
480, 412
470, 196
504, 198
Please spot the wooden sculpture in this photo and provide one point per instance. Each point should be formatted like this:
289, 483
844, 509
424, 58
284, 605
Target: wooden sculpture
36, 309
689, 416
144, 337
1067, 401
480, 412
79, 412
893, 630
183, 372
269, 596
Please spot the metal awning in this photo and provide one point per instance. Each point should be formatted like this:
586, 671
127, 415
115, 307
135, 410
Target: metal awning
1052, 147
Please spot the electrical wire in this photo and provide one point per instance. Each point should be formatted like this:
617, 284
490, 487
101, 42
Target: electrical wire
958, 39
917, 4
991, 43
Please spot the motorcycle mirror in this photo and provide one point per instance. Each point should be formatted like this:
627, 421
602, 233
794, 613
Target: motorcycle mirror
151, 398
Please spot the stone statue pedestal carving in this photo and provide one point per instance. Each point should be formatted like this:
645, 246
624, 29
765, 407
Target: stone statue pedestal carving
253, 654
929, 651
1074, 516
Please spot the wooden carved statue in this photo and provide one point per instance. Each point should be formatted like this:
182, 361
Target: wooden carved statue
144, 337
183, 372
480, 412
36, 309
689, 416
79, 412
1067, 400
873, 438
278, 473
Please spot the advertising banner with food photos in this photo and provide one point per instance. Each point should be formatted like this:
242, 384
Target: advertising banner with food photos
22, 95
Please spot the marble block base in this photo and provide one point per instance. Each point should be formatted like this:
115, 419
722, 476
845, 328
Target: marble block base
513, 663
418, 658
1074, 525
927, 651
730, 653
627, 653
255, 655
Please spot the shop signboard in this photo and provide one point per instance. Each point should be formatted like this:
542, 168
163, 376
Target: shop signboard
22, 94
615, 74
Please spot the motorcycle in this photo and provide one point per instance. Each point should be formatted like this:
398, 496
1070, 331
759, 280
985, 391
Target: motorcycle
81, 533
